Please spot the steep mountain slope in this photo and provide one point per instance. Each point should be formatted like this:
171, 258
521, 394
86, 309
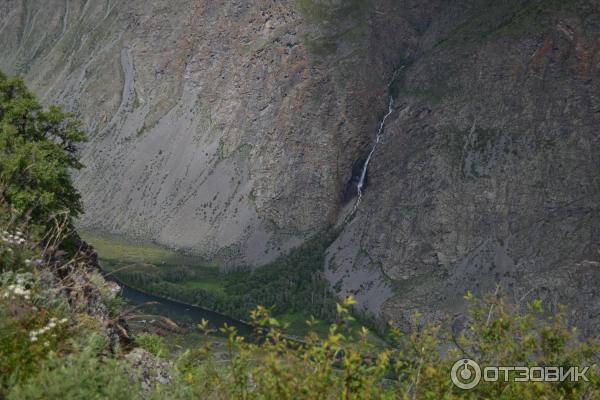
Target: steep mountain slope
489, 171
235, 129
213, 127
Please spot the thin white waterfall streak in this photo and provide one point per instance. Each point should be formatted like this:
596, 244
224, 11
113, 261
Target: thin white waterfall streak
363, 175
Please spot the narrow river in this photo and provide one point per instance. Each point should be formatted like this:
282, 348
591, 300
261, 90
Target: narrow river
180, 312
119, 252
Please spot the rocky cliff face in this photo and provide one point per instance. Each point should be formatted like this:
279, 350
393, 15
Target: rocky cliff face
232, 129
489, 173
214, 127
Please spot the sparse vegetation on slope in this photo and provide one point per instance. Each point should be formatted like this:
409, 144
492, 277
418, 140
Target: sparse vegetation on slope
337, 22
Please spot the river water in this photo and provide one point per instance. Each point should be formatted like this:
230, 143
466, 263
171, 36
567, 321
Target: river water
179, 312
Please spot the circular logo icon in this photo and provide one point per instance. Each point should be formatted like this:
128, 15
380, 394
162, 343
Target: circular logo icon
465, 374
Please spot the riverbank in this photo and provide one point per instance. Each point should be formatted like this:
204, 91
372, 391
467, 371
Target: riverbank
292, 286
179, 311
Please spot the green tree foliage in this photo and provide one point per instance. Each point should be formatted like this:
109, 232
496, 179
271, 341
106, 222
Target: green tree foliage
152, 343
37, 150
293, 283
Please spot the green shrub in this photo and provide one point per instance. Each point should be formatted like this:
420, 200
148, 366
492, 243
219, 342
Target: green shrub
81, 375
152, 343
498, 333
28, 330
37, 150
417, 367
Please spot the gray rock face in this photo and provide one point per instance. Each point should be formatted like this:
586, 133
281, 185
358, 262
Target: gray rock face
213, 130
148, 369
489, 173
231, 129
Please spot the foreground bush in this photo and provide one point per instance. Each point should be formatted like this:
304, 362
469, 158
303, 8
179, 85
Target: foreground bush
57, 322
343, 366
80, 375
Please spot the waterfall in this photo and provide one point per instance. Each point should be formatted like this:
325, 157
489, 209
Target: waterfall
363, 175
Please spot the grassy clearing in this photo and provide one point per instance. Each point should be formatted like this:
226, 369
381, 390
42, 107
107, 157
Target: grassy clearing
214, 285
124, 251
154, 262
